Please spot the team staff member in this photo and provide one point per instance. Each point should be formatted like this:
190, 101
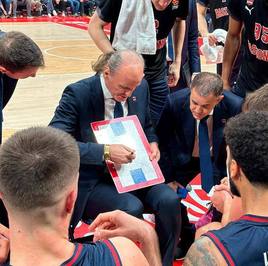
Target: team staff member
118, 86
20, 58
167, 14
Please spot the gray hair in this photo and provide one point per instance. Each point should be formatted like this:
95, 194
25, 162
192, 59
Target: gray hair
115, 59
206, 83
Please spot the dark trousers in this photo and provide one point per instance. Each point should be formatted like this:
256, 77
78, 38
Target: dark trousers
159, 199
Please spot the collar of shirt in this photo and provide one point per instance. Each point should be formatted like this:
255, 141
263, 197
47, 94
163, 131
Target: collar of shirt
198, 121
109, 101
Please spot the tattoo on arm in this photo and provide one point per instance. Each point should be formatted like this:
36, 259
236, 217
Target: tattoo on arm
204, 252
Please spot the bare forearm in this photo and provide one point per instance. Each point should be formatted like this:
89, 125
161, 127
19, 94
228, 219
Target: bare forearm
178, 39
96, 32
202, 25
100, 39
231, 48
150, 246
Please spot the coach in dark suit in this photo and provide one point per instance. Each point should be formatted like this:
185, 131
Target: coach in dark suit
17, 61
177, 130
119, 82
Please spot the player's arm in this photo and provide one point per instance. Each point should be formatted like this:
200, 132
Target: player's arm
202, 23
231, 48
96, 32
204, 252
178, 33
128, 252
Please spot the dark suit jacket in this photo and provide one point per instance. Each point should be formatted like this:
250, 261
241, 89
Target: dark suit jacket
81, 104
176, 132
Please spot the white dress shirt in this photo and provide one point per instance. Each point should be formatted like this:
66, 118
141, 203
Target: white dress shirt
109, 102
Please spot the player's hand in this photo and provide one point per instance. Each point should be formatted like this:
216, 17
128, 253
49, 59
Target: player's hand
118, 223
173, 74
212, 40
4, 243
120, 154
155, 153
219, 198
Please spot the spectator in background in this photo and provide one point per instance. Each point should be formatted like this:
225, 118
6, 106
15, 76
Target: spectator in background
32, 7
190, 58
220, 18
50, 7
5, 7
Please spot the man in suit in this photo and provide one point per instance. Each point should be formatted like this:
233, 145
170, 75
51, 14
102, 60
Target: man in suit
244, 241
119, 84
20, 58
178, 130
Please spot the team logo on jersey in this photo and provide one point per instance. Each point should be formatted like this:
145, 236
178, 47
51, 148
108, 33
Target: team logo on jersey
175, 4
250, 2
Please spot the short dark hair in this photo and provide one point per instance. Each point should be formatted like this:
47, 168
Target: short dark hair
257, 100
247, 137
36, 164
19, 52
206, 83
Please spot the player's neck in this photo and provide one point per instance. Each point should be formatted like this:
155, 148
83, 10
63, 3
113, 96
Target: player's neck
254, 201
36, 245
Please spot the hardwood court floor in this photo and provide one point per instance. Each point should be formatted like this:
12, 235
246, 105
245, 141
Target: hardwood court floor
68, 52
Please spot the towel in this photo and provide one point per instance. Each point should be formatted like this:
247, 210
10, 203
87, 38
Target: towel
214, 54
135, 28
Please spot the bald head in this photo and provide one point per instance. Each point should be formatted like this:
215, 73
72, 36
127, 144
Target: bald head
122, 72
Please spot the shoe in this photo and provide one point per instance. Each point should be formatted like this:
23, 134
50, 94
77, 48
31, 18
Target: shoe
30, 17
49, 15
54, 13
63, 14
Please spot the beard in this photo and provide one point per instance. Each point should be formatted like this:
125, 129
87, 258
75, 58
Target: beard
234, 189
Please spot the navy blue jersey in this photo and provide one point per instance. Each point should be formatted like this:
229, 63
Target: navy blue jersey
243, 242
100, 253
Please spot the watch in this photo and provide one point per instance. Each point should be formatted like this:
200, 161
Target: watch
106, 152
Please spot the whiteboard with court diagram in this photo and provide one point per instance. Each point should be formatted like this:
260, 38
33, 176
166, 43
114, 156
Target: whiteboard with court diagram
141, 172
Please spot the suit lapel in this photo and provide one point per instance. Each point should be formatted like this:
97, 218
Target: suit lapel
97, 101
189, 124
132, 105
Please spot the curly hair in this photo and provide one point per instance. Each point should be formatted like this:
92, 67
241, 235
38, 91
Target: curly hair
247, 137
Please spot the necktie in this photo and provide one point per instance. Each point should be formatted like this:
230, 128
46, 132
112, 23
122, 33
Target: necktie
204, 156
118, 110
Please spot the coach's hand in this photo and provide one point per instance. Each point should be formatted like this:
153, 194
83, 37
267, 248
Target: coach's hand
120, 154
